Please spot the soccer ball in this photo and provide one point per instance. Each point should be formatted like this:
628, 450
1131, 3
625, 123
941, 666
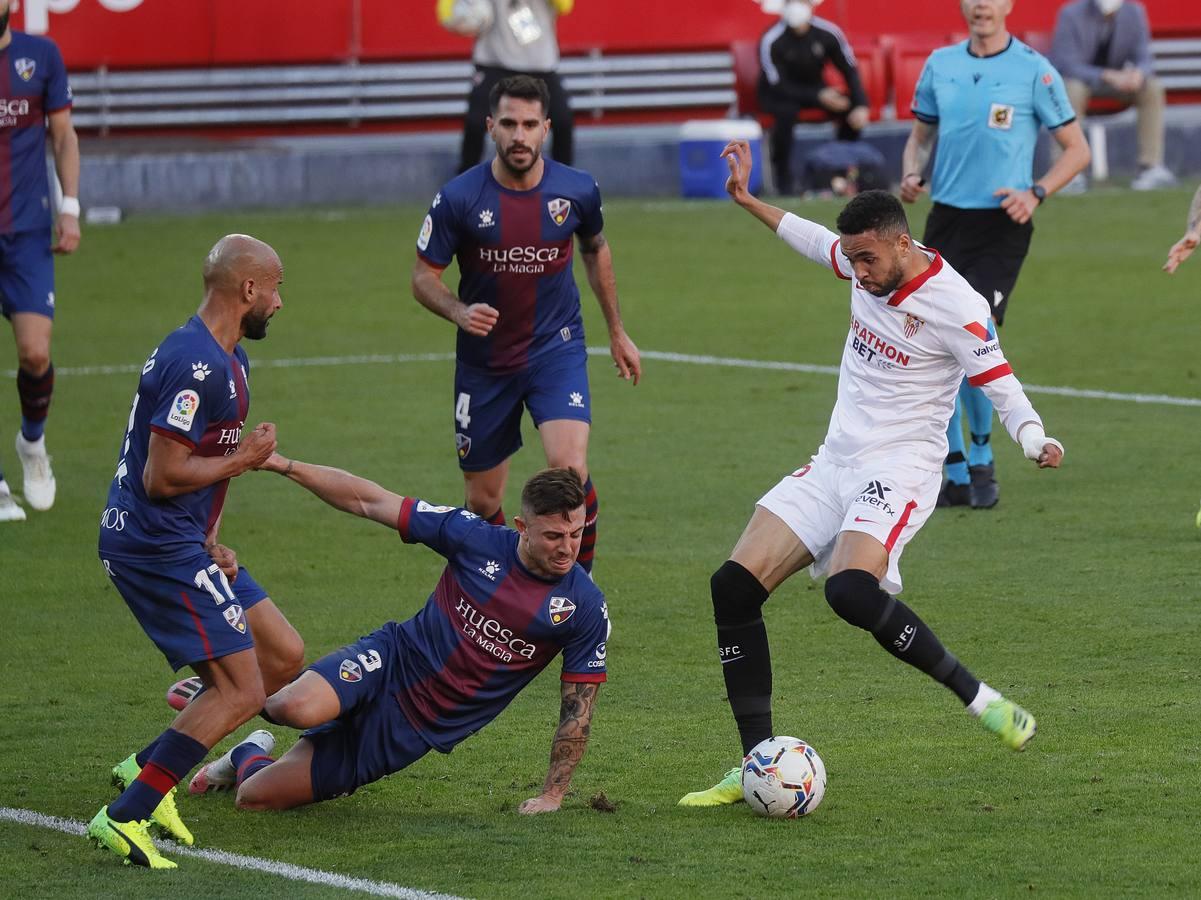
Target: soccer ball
470, 16
783, 777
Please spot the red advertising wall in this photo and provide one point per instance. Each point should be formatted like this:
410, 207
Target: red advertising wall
173, 33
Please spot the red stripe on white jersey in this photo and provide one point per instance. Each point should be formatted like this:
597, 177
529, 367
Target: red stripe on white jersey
991, 375
914, 283
978, 330
834, 262
900, 526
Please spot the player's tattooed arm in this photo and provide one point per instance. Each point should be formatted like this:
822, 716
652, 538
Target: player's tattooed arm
571, 739
598, 263
430, 291
340, 489
593, 242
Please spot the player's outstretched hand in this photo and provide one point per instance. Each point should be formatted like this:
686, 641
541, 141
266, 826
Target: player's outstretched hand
737, 155
478, 319
66, 234
540, 804
257, 447
1019, 205
625, 356
1181, 250
1051, 456
225, 558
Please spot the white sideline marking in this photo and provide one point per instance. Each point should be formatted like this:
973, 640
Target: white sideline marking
253, 863
723, 361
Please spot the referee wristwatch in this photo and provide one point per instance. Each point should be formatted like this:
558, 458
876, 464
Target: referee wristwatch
1039, 192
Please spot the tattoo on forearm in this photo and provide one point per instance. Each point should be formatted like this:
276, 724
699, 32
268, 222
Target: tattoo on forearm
571, 738
1194, 212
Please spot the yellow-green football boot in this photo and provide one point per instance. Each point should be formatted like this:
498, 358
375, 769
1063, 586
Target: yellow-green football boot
726, 791
166, 814
1008, 721
129, 840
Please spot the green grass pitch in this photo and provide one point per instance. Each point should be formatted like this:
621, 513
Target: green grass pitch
1078, 596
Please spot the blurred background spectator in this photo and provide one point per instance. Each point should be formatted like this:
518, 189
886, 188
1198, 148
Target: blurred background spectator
793, 55
1103, 49
511, 37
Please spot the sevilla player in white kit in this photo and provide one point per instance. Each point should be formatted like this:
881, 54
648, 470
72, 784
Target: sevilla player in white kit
916, 328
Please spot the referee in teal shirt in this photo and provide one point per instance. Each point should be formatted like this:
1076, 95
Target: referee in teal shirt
984, 100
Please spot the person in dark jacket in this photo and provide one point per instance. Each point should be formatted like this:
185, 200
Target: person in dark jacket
792, 56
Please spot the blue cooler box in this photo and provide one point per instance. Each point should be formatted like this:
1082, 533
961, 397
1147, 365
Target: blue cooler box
703, 172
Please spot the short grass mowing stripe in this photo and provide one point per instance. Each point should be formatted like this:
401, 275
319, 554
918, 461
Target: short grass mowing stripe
238, 861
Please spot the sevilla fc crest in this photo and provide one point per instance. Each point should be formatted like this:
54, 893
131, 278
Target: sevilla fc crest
350, 671
559, 210
561, 609
912, 324
25, 67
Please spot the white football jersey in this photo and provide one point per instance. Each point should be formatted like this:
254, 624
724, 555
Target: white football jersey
905, 357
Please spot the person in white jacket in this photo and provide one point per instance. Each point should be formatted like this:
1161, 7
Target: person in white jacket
916, 328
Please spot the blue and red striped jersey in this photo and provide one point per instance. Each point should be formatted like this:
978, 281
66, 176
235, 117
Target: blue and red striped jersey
489, 627
33, 84
514, 250
193, 392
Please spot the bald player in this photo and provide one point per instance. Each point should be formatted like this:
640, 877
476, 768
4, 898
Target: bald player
159, 544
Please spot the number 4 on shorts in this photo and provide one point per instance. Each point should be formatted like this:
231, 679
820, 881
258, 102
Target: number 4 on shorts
462, 405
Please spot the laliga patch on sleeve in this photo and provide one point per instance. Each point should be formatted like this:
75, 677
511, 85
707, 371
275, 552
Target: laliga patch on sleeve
1000, 115
427, 231
423, 507
183, 410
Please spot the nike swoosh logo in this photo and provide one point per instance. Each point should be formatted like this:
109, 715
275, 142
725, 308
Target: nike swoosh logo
868, 521
732, 659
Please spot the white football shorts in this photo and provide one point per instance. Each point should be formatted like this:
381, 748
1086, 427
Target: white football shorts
888, 500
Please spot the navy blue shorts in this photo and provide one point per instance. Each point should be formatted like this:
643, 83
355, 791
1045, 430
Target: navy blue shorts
187, 607
488, 406
26, 273
371, 737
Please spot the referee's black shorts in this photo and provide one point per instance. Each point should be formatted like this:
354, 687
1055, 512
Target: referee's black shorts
985, 246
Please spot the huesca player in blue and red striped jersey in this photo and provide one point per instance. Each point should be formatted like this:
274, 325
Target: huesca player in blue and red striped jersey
511, 222
507, 603
35, 101
185, 438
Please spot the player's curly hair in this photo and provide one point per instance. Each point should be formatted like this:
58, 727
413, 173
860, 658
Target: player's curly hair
877, 211
521, 87
552, 492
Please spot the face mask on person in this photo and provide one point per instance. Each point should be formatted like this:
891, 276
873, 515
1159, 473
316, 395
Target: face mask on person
797, 13
1108, 6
